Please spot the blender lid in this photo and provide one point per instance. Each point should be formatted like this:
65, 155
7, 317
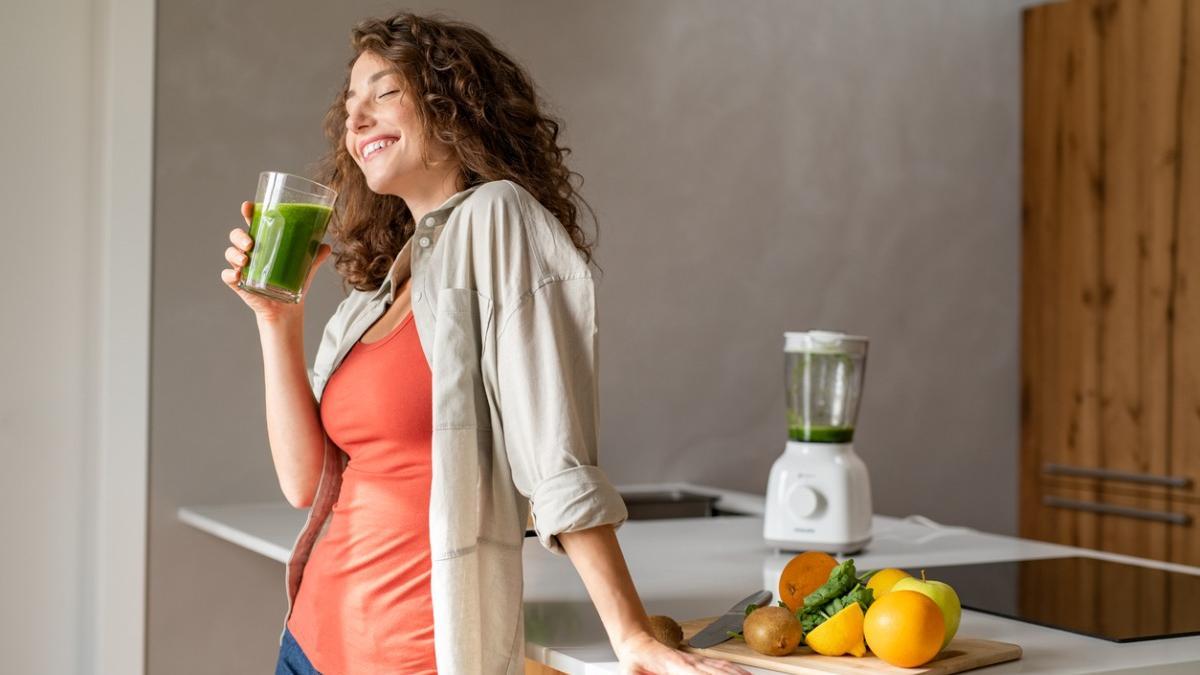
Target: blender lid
824, 342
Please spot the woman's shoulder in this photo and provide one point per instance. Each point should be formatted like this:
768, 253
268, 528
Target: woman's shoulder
519, 231
506, 197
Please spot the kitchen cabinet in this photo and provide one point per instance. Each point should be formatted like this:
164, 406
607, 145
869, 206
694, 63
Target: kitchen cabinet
1110, 225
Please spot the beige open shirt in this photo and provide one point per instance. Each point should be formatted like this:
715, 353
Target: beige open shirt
505, 308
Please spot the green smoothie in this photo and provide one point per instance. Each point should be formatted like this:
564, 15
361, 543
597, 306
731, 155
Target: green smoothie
815, 434
286, 238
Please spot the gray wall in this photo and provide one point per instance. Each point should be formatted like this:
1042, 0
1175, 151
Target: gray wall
756, 167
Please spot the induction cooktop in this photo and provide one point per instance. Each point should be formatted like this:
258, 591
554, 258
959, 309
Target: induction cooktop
1099, 598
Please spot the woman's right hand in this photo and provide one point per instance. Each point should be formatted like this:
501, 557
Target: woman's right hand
238, 255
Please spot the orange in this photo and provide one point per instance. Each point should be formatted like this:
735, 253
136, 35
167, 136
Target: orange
904, 628
882, 581
804, 573
841, 634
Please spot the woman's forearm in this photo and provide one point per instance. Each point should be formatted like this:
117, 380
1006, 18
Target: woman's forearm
293, 424
597, 557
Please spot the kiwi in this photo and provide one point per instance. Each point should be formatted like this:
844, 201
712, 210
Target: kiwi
666, 631
773, 631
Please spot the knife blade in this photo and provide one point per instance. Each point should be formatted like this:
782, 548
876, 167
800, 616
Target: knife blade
717, 632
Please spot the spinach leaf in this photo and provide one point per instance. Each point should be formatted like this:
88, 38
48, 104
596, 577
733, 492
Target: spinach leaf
811, 619
861, 594
841, 579
843, 588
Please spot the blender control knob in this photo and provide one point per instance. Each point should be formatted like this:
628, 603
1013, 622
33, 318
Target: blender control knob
802, 501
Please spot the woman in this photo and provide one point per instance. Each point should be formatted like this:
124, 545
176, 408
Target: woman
455, 387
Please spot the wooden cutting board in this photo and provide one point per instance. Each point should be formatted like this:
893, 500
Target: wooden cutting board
961, 654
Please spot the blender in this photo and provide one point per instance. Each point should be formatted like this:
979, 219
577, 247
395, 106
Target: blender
819, 493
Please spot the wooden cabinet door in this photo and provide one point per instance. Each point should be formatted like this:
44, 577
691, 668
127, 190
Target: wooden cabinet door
1105, 218
1185, 344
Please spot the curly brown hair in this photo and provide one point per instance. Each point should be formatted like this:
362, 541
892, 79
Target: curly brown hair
469, 95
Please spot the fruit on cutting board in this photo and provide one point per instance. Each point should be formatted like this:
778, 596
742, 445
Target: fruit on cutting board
904, 628
666, 630
840, 634
804, 573
942, 594
882, 581
773, 631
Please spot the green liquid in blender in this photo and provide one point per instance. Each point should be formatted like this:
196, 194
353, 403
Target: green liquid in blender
816, 434
285, 244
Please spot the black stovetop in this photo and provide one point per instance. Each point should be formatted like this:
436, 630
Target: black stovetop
1104, 599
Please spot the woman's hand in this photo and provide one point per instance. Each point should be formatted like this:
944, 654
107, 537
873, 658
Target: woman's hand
238, 255
641, 654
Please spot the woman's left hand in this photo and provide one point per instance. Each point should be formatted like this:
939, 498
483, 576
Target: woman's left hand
641, 654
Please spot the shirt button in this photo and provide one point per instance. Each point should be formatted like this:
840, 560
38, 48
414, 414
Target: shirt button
423, 241
429, 222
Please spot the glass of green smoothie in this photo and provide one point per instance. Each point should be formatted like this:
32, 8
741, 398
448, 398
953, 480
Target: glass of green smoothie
290, 215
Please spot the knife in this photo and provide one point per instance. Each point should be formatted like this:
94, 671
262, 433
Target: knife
717, 632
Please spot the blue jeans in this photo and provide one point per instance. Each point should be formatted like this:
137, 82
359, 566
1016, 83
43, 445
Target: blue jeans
292, 660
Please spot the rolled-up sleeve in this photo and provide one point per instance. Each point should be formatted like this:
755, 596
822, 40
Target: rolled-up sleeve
546, 371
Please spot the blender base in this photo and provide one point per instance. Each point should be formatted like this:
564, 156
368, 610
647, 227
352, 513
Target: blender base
843, 548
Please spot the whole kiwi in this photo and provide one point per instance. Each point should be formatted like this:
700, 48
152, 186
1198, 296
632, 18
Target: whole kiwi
666, 631
773, 631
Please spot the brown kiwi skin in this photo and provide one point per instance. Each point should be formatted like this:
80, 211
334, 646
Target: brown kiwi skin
773, 631
666, 630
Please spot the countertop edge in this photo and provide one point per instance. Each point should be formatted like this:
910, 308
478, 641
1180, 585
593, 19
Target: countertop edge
274, 523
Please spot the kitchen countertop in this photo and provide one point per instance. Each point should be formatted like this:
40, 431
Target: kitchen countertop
270, 528
697, 567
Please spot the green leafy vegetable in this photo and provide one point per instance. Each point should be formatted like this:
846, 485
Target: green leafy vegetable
841, 579
841, 589
810, 620
860, 594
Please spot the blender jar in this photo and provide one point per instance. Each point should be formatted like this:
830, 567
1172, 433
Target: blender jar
823, 373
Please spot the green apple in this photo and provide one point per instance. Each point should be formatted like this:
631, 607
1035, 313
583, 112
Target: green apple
942, 594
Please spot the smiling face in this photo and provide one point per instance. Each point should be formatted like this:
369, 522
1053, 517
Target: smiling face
384, 134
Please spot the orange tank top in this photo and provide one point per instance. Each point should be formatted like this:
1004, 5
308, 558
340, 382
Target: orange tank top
364, 602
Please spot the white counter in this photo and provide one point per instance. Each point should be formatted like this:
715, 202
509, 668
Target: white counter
690, 568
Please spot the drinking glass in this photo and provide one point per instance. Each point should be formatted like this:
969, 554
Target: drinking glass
290, 215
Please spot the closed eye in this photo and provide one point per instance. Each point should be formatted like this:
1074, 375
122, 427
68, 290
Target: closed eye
388, 93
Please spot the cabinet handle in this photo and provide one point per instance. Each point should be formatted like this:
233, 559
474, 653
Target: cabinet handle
1109, 474
1126, 511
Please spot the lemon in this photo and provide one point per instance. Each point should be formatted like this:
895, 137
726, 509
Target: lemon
841, 634
882, 581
